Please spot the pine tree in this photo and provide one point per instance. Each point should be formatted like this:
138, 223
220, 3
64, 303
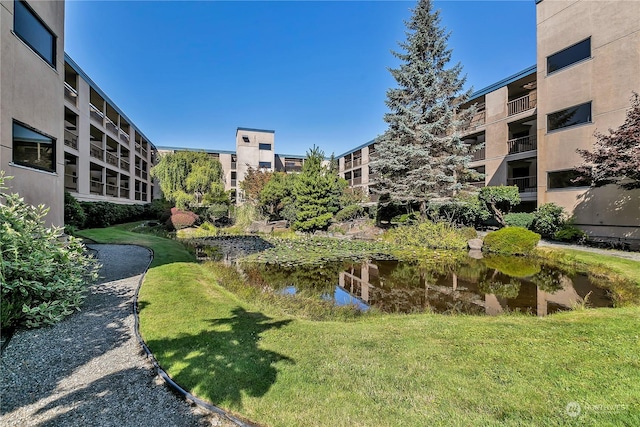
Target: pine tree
421, 156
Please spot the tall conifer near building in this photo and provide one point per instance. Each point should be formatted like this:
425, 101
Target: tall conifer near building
421, 155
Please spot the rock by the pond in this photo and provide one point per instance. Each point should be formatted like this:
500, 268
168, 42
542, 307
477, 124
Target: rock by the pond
475, 244
475, 253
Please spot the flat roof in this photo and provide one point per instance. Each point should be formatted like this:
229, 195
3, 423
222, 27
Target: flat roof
254, 130
503, 82
357, 148
95, 87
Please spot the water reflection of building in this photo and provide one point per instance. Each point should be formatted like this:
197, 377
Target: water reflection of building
381, 284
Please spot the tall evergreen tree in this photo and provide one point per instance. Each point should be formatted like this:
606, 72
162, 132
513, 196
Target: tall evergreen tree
421, 155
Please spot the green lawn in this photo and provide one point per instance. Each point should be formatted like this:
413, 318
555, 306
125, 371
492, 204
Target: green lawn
386, 370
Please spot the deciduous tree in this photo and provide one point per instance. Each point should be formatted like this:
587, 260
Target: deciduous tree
615, 158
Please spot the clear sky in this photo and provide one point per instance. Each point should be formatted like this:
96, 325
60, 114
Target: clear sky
188, 73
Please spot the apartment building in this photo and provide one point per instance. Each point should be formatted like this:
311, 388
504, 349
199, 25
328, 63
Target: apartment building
255, 148
106, 156
529, 125
31, 81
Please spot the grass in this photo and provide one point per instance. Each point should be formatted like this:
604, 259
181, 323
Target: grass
386, 370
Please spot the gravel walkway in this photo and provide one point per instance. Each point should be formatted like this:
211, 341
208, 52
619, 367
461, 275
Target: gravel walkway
89, 370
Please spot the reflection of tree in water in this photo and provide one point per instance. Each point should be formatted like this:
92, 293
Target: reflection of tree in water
501, 289
308, 279
224, 362
548, 279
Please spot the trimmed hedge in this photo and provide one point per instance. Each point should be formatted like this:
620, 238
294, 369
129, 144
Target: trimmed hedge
511, 241
349, 212
105, 214
522, 219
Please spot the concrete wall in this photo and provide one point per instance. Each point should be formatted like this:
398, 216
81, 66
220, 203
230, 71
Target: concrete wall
31, 91
249, 154
607, 79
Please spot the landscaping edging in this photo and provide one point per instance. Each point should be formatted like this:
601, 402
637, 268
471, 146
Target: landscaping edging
175, 387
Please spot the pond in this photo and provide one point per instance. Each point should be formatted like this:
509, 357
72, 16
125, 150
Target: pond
487, 286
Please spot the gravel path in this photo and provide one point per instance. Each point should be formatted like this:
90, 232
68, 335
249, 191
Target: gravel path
89, 370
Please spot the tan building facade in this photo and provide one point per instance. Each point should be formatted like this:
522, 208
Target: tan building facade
106, 157
31, 82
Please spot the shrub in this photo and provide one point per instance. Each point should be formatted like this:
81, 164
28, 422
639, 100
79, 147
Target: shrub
548, 219
181, 219
427, 234
105, 214
349, 212
570, 233
468, 212
511, 241
523, 220
499, 200
406, 218
159, 209
43, 277
74, 215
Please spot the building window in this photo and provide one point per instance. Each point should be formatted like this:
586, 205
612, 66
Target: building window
564, 179
264, 165
33, 149
568, 56
263, 146
34, 32
569, 117
245, 138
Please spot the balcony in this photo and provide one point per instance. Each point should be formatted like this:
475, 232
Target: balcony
478, 184
233, 165
96, 114
97, 187
70, 139
478, 154
527, 184
479, 119
522, 104
356, 181
124, 193
112, 159
124, 164
357, 161
124, 137
524, 144
97, 152
70, 94
348, 165
138, 172
233, 182
144, 174
70, 182
112, 190
111, 126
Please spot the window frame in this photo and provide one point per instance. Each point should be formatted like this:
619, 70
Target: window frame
54, 37
572, 63
569, 187
557, 129
262, 145
53, 169
261, 165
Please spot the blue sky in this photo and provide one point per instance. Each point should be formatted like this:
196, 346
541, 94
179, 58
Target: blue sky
188, 73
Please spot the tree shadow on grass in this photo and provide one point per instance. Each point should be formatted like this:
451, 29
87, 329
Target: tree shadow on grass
225, 363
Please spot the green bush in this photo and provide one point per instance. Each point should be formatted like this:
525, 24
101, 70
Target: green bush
43, 277
522, 219
468, 212
570, 233
548, 219
105, 214
406, 218
511, 241
349, 212
74, 215
427, 234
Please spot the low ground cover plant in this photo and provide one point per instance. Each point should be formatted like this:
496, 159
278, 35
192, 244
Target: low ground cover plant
430, 235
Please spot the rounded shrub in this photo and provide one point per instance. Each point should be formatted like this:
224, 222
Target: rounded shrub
548, 219
181, 219
570, 233
511, 241
74, 215
349, 212
522, 219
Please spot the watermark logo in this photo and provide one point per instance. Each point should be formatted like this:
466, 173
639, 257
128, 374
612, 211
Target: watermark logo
573, 409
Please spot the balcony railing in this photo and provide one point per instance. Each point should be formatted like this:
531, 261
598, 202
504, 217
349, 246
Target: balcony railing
144, 174
70, 139
97, 187
70, 182
356, 181
527, 184
144, 153
138, 172
111, 126
233, 182
112, 190
112, 159
521, 104
124, 164
124, 193
124, 137
521, 145
70, 94
233, 165
357, 162
348, 165
96, 152
96, 114
479, 154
